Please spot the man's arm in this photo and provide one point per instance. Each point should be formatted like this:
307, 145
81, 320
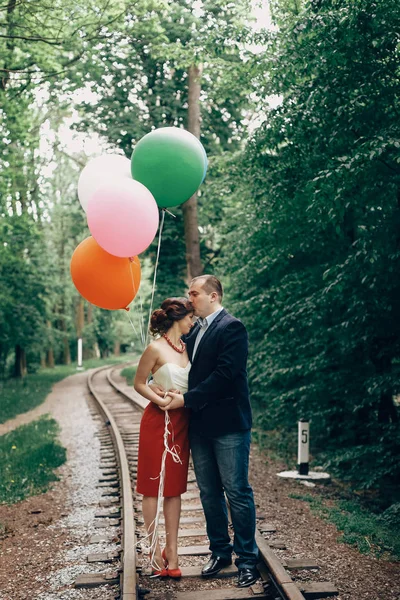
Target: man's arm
231, 359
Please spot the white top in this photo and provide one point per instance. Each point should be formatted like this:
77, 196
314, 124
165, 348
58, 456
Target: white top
173, 377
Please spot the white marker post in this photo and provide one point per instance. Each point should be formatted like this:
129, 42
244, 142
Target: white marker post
303, 453
79, 367
303, 457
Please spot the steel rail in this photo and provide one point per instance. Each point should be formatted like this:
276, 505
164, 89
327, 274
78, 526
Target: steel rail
279, 576
129, 573
275, 571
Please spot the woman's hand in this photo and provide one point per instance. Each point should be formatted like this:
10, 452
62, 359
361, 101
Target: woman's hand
157, 389
163, 402
175, 400
166, 399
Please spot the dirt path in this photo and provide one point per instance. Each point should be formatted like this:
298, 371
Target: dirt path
356, 576
44, 539
48, 406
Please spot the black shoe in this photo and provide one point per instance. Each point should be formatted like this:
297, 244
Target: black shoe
214, 565
247, 577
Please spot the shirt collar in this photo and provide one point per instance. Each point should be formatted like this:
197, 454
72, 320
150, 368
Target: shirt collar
204, 323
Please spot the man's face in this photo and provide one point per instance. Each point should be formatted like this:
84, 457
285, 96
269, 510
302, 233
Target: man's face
203, 303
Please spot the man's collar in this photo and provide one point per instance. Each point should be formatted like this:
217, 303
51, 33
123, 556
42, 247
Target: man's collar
206, 322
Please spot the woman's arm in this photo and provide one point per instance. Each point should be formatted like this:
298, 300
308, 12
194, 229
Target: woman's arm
146, 364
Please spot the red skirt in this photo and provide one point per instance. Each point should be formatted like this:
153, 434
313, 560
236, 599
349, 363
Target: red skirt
151, 448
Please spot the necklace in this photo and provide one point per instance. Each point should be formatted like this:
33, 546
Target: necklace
181, 350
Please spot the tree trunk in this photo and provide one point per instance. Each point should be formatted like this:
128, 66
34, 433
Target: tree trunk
93, 351
80, 318
66, 350
192, 240
20, 362
117, 348
80, 323
90, 313
50, 351
66, 358
50, 358
5, 78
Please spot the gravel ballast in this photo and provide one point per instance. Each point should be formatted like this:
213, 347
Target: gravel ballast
44, 540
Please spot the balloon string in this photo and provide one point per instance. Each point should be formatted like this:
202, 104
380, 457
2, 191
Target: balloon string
141, 321
155, 271
150, 541
141, 337
133, 326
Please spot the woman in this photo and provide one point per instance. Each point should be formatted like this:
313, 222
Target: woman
167, 360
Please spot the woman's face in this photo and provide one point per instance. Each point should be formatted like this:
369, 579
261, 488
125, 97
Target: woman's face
186, 324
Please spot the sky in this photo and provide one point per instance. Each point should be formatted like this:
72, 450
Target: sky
262, 14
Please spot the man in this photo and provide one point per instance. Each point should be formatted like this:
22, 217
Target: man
219, 429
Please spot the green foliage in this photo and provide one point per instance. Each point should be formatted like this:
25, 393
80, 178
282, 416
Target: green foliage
38, 300
28, 457
303, 226
38, 42
391, 516
22, 281
314, 237
370, 533
41, 41
369, 465
20, 395
171, 272
129, 373
142, 77
140, 82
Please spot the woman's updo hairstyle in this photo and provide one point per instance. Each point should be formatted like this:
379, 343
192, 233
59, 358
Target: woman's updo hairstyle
172, 309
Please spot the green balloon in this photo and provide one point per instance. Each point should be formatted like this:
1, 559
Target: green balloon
170, 162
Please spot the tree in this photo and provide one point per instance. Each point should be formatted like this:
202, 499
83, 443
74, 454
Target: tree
151, 76
41, 41
27, 60
318, 227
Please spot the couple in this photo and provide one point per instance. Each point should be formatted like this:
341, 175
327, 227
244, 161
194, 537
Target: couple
202, 383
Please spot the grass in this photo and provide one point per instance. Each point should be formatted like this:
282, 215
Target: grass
129, 373
20, 395
280, 446
28, 457
359, 527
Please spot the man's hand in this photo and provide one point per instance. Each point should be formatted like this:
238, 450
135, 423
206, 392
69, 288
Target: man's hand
177, 401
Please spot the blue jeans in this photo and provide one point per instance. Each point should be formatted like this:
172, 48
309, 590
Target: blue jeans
221, 464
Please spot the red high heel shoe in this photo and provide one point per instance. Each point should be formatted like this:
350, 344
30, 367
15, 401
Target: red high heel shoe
174, 573
159, 572
162, 573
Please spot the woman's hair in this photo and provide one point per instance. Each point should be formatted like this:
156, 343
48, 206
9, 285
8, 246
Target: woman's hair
172, 309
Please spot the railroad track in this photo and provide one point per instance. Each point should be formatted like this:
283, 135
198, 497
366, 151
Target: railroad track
121, 408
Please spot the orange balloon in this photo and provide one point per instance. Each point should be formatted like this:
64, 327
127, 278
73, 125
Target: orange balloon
103, 279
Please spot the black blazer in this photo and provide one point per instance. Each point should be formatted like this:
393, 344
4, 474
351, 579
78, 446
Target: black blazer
218, 394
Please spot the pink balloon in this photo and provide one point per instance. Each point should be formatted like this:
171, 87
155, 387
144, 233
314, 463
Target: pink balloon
123, 217
101, 171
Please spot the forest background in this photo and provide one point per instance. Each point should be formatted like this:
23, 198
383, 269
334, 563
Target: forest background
299, 214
